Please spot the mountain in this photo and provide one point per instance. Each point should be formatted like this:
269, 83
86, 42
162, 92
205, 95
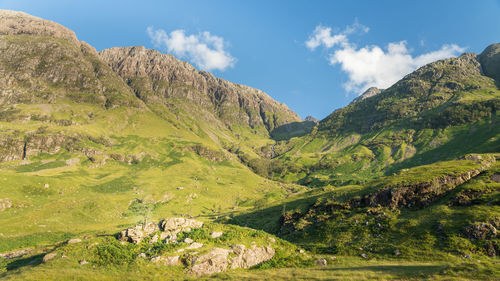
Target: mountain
441, 111
92, 142
131, 164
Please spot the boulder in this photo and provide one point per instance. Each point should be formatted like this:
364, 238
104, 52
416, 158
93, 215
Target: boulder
216, 234
194, 245
5, 203
166, 260
49, 257
16, 253
188, 240
74, 240
248, 257
321, 262
212, 262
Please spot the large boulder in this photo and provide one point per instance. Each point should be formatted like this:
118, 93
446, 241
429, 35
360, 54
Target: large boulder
214, 261
248, 257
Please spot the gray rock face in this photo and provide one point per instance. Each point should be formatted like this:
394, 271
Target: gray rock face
158, 77
490, 61
248, 257
214, 261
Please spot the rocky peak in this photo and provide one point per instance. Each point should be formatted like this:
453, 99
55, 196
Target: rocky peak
311, 119
490, 61
15, 23
372, 91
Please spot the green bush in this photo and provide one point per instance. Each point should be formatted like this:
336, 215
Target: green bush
113, 253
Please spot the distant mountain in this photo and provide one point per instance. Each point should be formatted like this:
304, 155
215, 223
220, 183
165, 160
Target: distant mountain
440, 111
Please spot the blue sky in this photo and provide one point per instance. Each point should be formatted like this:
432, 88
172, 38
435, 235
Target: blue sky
314, 56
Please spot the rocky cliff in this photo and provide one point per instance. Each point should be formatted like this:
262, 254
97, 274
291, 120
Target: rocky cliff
161, 78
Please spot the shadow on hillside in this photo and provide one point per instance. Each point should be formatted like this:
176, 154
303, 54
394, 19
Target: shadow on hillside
479, 139
393, 269
291, 130
267, 219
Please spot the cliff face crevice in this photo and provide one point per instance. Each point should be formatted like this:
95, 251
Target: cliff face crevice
163, 78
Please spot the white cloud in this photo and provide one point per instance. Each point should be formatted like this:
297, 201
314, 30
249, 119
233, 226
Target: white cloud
205, 50
372, 66
322, 35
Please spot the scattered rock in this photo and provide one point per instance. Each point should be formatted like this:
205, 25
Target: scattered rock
364, 255
321, 262
212, 262
5, 203
272, 240
166, 260
142, 255
301, 251
74, 240
82, 262
46, 185
16, 253
216, 234
397, 252
188, 240
49, 257
180, 188
481, 231
466, 256
194, 245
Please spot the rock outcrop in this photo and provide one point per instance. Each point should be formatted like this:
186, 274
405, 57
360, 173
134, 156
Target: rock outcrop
169, 228
214, 261
248, 257
198, 258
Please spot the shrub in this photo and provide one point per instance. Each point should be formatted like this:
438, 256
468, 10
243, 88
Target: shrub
113, 253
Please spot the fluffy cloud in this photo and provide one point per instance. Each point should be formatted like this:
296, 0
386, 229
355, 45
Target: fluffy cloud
205, 50
322, 35
371, 65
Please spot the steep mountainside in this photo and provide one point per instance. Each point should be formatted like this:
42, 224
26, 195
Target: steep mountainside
82, 151
161, 79
438, 112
